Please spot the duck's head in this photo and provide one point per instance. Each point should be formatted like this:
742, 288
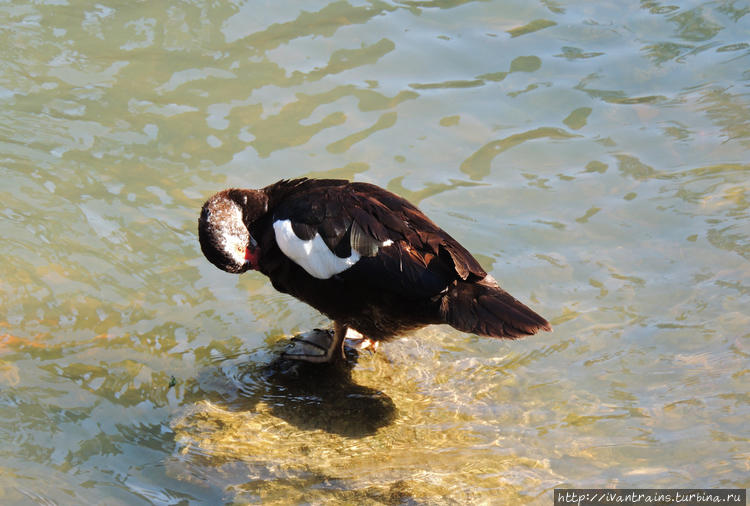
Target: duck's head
223, 229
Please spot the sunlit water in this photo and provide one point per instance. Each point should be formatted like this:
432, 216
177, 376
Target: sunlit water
593, 155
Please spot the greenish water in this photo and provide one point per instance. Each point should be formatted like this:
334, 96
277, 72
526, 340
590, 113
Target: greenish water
593, 155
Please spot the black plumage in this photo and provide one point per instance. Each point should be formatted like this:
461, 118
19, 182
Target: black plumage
405, 272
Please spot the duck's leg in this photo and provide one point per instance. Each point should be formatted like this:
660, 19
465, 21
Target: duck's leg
318, 346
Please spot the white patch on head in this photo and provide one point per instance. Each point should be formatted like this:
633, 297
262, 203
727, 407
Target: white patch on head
233, 236
387, 242
235, 247
313, 255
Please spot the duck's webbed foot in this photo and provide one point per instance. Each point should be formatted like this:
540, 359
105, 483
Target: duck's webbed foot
318, 346
359, 342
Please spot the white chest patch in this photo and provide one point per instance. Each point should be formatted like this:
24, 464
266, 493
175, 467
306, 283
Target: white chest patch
313, 255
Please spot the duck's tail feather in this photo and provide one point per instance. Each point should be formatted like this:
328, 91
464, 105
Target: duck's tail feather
486, 309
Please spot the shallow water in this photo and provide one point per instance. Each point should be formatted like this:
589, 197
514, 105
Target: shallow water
593, 155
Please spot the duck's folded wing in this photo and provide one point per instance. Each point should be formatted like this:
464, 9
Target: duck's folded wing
364, 234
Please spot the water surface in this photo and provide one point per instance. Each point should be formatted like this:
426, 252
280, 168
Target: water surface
593, 155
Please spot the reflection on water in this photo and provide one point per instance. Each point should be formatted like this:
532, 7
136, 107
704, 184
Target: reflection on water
592, 155
306, 396
299, 434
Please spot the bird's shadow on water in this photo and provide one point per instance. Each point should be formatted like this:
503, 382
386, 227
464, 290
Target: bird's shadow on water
307, 396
